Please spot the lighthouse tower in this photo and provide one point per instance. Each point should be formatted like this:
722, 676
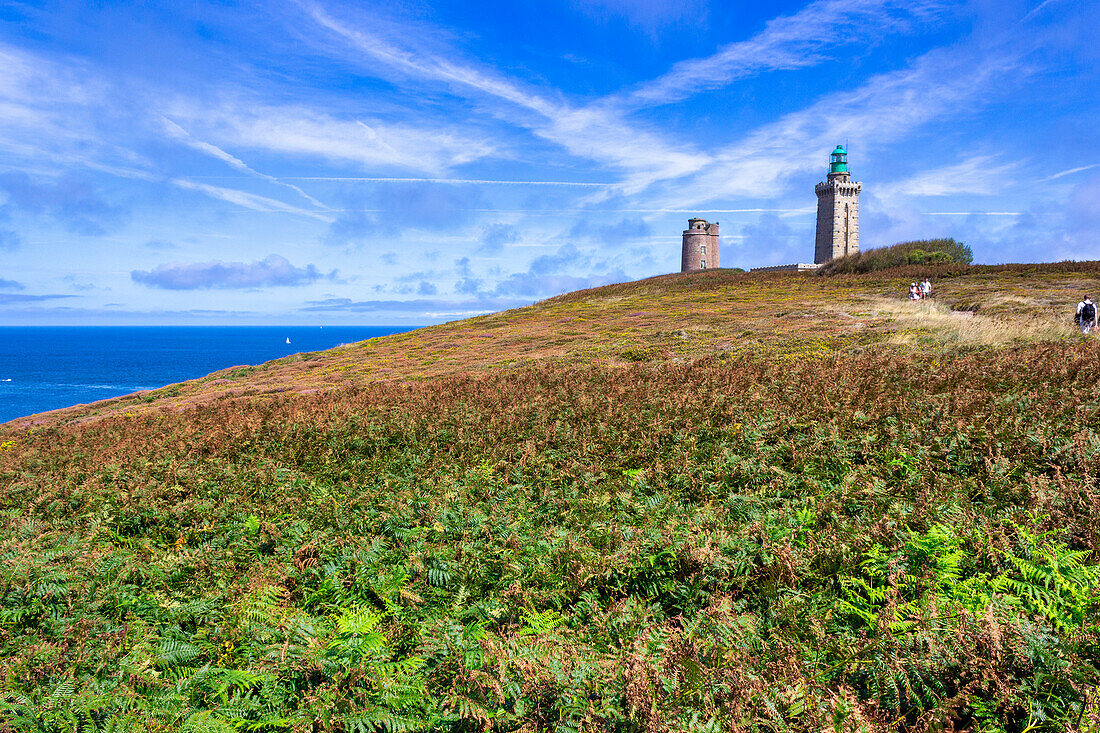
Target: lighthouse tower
837, 211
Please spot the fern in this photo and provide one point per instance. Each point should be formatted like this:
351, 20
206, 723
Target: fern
540, 622
236, 681
1052, 582
439, 573
206, 721
173, 653
866, 598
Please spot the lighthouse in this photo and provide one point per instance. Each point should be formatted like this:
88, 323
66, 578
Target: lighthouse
837, 211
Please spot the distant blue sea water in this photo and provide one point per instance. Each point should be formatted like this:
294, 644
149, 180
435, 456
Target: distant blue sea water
44, 368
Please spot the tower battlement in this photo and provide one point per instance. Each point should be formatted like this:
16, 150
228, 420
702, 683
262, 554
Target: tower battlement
700, 250
843, 188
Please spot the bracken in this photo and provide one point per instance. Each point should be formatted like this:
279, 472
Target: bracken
858, 540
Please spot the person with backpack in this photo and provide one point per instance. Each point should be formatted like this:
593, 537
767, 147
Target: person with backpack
1086, 315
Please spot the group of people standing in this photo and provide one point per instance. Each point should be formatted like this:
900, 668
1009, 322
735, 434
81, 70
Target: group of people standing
921, 290
1086, 316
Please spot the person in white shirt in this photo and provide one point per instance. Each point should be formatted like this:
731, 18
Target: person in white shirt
926, 288
1086, 315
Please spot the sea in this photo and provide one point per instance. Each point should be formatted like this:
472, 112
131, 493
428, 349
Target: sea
48, 367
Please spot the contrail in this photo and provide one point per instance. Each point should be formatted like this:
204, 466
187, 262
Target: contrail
974, 213
184, 136
1072, 171
803, 210
247, 200
463, 181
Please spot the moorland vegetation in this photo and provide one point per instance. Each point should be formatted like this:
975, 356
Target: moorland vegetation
923, 252
716, 502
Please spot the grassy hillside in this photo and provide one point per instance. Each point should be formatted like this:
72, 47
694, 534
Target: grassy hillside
701, 503
673, 318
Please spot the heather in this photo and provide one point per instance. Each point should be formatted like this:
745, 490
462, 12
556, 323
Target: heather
671, 317
895, 534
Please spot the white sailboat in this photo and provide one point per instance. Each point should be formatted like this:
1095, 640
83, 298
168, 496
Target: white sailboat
288, 339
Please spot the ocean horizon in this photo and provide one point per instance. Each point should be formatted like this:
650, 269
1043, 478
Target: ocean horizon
49, 367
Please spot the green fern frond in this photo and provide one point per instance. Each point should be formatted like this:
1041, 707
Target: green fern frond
206, 721
358, 621
173, 652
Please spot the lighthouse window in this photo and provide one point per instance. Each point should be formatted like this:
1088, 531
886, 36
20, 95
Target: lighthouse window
703, 249
704, 264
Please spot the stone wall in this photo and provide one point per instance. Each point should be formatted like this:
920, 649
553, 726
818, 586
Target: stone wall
800, 267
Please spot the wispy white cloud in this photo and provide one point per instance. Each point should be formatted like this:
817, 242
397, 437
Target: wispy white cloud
453, 131
602, 130
879, 112
302, 131
979, 174
1071, 171
59, 114
178, 133
425, 65
244, 199
45, 107
595, 132
55, 115
248, 200
788, 42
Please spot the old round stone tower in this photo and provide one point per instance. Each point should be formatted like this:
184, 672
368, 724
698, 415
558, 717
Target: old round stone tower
837, 211
700, 246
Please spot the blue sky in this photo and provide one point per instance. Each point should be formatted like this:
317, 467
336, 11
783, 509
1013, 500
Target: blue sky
322, 162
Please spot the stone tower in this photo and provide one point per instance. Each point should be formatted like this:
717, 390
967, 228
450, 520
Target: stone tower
700, 246
837, 211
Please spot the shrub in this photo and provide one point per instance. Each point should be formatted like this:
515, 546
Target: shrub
635, 353
920, 252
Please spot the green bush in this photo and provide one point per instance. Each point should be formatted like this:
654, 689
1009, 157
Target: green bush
635, 353
920, 252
